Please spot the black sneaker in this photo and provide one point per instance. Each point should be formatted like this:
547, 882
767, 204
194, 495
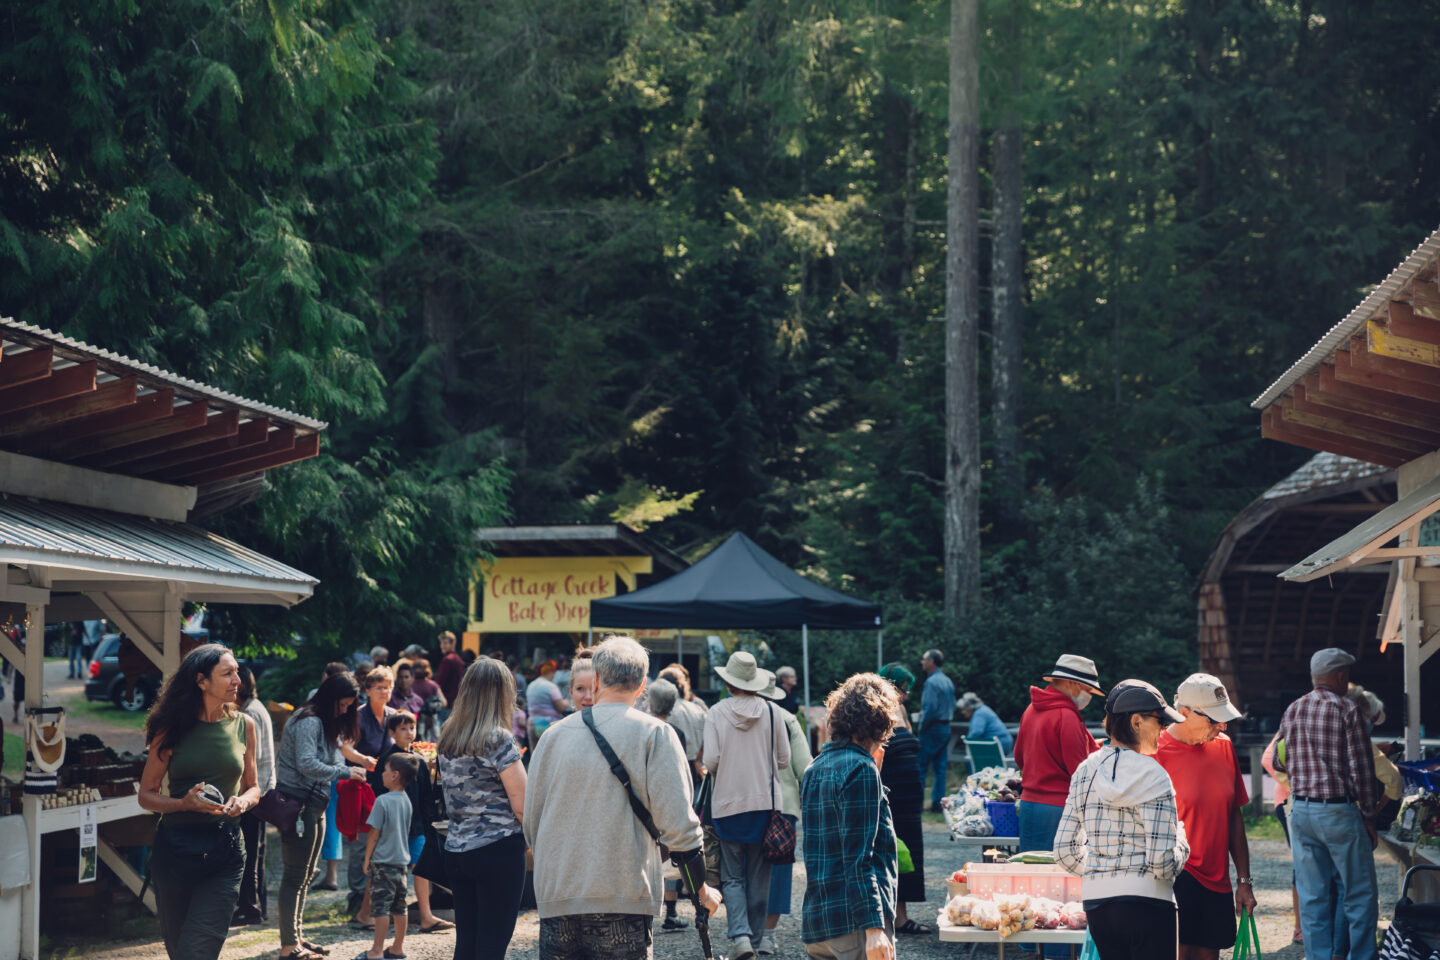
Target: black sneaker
673, 924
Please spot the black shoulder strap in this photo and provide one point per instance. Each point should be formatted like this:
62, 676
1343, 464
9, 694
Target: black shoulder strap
623, 775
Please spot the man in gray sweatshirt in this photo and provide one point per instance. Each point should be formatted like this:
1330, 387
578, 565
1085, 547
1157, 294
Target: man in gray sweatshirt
597, 869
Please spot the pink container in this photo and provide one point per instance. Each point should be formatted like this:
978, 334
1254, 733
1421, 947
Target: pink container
1035, 879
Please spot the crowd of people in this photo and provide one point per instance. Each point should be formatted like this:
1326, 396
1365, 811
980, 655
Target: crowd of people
630, 794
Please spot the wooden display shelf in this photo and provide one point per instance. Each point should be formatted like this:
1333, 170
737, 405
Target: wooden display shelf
110, 808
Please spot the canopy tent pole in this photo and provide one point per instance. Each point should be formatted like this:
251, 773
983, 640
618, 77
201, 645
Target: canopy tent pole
680, 645
805, 651
879, 649
590, 636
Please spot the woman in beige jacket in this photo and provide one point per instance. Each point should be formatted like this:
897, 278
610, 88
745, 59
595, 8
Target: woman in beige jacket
746, 746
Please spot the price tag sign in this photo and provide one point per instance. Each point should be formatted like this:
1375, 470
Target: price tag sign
88, 837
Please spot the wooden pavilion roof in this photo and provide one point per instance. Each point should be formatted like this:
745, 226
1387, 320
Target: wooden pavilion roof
69, 402
1370, 389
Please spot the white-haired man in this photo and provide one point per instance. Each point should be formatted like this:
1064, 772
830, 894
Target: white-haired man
1210, 799
1333, 791
597, 865
786, 680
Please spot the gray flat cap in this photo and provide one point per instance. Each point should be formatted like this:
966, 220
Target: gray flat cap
1329, 659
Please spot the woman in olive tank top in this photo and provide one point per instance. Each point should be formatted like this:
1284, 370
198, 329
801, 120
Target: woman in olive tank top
200, 777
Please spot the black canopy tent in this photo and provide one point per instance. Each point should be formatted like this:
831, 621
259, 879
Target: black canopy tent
740, 586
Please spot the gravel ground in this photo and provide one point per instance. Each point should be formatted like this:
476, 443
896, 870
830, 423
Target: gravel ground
327, 923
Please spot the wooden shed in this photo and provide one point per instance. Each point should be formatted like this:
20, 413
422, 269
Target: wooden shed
1257, 631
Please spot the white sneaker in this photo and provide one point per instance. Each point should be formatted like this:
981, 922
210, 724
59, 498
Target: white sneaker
767, 944
740, 949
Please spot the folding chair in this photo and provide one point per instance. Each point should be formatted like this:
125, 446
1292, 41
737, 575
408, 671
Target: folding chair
984, 753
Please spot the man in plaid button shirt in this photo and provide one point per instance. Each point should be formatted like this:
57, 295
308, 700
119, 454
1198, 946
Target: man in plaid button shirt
1332, 782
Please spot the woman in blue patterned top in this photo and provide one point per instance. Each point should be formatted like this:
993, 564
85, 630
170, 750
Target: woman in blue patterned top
484, 784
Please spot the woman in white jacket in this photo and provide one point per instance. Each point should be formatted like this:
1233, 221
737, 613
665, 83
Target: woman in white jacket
1119, 830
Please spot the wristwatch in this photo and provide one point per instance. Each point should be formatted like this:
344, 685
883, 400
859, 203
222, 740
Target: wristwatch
1244, 880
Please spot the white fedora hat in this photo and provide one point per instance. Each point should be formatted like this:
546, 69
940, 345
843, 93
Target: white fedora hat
742, 673
1080, 669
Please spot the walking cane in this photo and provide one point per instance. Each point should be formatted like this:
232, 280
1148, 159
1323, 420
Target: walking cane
702, 925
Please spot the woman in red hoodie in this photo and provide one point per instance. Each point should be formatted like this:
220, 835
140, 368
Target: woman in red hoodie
1051, 743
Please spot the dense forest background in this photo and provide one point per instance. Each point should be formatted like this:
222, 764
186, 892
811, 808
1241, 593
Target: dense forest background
681, 263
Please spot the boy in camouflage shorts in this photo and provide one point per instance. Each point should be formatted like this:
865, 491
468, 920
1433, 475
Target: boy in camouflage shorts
387, 855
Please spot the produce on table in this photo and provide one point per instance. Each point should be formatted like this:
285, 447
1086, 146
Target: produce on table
994, 783
958, 877
965, 813
1010, 913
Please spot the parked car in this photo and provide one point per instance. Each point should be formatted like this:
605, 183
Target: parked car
106, 682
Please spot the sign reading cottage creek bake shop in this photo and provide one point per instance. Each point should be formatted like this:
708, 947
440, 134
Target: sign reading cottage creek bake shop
546, 594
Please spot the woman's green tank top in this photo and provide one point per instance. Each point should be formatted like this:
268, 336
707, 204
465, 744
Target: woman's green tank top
213, 753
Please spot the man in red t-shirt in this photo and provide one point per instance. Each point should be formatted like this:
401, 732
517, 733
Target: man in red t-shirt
1209, 796
451, 668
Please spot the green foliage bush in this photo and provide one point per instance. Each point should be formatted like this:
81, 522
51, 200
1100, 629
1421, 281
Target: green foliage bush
1103, 583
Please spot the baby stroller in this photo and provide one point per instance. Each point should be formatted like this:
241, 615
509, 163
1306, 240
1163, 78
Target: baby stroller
1414, 934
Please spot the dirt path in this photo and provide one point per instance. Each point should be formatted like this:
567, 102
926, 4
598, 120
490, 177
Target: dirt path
328, 924
63, 691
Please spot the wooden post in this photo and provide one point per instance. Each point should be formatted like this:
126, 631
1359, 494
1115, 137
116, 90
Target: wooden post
34, 697
1257, 782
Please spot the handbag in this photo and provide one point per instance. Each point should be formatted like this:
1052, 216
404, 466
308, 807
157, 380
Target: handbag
45, 749
431, 864
778, 845
1089, 951
279, 809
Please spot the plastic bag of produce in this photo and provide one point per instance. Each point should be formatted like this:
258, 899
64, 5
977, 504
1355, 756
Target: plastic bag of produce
984, 915
1047, 913
959, 910
1073, 914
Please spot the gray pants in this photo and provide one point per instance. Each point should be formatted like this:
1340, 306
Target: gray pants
195, 898
299, 852
354, 870
745, 887
850, 946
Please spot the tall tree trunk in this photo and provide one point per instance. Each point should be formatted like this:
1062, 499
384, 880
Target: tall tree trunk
1006, 283
962, 316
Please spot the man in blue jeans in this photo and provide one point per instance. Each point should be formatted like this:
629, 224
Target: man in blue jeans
1332, 785
937, 707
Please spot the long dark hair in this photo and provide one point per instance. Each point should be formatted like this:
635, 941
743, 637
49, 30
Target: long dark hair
332, 690
177, 709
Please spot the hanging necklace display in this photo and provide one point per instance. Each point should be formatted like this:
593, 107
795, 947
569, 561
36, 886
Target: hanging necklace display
44, 748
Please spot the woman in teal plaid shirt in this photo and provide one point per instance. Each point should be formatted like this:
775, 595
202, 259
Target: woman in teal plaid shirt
850, 863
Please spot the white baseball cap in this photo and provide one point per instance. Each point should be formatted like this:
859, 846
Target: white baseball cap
1205, 694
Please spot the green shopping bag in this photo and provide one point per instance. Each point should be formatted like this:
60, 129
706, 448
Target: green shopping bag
1247, 938
905, 863
1089, 951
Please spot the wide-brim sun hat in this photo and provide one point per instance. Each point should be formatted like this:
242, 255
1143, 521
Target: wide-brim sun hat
1080, 669
743, 673
772, 691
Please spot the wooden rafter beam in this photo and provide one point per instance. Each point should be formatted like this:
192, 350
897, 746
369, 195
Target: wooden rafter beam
1426, 299
21, 368
303, 448
277, 441
70, 382
1357, 366
1419, 374
100, 450
251, 433
201, 427
106, 398
1404, 322
1323, 386
1381, 341
1273, 428
1301, 400
76, 438
1347, 428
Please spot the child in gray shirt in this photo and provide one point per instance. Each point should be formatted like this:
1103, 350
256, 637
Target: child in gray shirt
387, 854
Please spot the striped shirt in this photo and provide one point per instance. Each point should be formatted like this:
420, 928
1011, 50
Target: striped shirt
850, 859
1327, 750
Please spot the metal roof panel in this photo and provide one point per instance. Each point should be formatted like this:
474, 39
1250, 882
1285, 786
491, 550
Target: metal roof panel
155, 548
